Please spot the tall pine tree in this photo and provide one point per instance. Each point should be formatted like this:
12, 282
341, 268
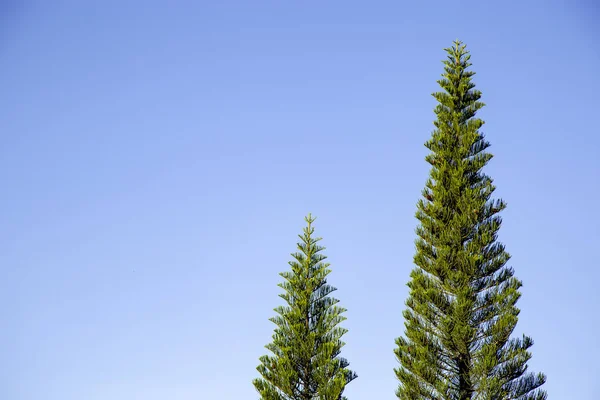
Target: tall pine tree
461, 310
305, 363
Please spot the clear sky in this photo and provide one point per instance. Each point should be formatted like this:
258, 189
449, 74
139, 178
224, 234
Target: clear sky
158, 158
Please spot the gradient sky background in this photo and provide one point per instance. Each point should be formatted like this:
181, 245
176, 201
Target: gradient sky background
157, 161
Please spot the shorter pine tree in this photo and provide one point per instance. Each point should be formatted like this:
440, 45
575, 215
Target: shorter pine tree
305, 363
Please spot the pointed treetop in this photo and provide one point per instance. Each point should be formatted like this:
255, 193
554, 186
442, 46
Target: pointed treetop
308, 230
310, 219
458, 55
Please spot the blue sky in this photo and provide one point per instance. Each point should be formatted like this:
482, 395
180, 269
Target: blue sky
157, 162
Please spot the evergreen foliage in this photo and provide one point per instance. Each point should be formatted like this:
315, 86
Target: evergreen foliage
461, 310
305, 363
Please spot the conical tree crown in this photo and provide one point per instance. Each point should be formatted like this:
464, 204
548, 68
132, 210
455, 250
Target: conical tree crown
305, 363
461, 309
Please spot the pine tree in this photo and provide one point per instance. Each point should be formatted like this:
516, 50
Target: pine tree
461, 310
305, 363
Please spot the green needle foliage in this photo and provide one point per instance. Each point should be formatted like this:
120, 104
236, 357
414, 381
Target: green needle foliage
306, 346
461, 309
